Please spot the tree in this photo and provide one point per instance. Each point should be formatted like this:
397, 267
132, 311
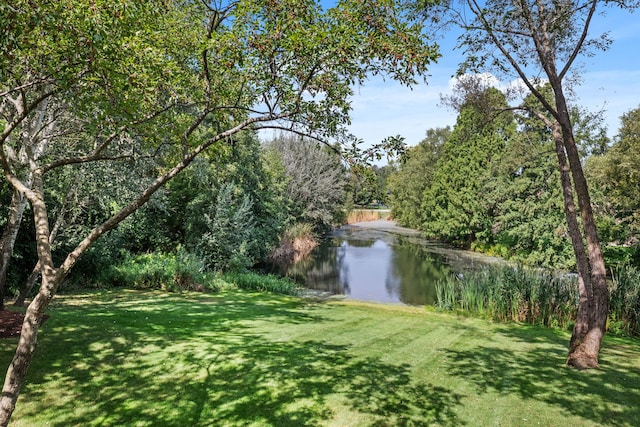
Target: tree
363, 185
177, 79
617, 177
452, 208
408, 183
315, 179
529, 220
539, 38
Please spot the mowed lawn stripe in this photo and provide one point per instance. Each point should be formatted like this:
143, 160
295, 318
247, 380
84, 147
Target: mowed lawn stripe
237, 358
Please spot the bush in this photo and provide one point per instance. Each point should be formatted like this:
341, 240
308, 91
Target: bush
164, 271
263, 282
227, 242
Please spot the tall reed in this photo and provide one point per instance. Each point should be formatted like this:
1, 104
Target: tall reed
364, 215
512, 293
296, 243
624, 302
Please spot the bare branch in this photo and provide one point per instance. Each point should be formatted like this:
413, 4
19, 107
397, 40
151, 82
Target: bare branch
580, 43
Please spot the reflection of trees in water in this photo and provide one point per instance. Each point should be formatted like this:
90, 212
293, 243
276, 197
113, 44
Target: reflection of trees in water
414, 272
357, 243
414, 267
325, 270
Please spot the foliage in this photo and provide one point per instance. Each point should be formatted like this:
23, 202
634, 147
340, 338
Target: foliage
414, 175
263, 283
185, 211
171, 81
538, 296
529, 216
624, 311
543, 39
451, 206
516, 192
367, 184
616, 178
300, 230
162, 271
226, 243
296, 243
512, 294
312, 177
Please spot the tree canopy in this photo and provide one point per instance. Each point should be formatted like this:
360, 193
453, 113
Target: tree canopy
168, 81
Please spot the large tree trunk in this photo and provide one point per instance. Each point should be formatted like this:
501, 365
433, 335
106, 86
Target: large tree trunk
585, 344
584, 316
28, 337
16, 210
26, 347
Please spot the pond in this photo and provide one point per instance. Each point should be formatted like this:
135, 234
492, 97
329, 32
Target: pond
382, 263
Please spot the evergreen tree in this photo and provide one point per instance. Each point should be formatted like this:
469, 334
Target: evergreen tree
455, 206
408, 183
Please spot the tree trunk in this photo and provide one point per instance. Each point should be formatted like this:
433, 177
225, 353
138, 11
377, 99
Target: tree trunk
25, 350
585, 345
583, 319
16, 210
35, 273
28, 337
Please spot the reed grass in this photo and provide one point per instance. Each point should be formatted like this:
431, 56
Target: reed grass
624, 305
365, 215
506, 293
539, 297
296, 243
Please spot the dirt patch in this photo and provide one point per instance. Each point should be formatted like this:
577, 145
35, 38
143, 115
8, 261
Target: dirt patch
11, 323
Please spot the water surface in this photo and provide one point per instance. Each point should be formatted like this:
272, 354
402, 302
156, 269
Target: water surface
387, 264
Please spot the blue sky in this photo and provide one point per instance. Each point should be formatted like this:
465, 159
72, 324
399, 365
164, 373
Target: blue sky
610, 83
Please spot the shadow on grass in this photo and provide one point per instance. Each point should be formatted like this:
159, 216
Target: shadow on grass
149, 360
609, 396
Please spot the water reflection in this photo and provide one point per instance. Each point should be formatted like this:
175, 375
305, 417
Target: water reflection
375, 265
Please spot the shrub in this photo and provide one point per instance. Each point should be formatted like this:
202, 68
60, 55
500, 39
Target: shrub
263, 282
226, 243
164, 271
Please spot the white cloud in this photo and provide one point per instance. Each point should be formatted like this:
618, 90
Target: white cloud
382, 109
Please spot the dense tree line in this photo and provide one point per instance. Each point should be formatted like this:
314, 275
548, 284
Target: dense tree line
492, 184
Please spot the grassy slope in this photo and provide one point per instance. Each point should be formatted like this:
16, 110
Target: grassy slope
123, 358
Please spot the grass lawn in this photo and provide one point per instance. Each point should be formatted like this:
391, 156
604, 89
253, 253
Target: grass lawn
128, 358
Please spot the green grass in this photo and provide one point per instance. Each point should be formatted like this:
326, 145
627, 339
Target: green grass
147, 358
